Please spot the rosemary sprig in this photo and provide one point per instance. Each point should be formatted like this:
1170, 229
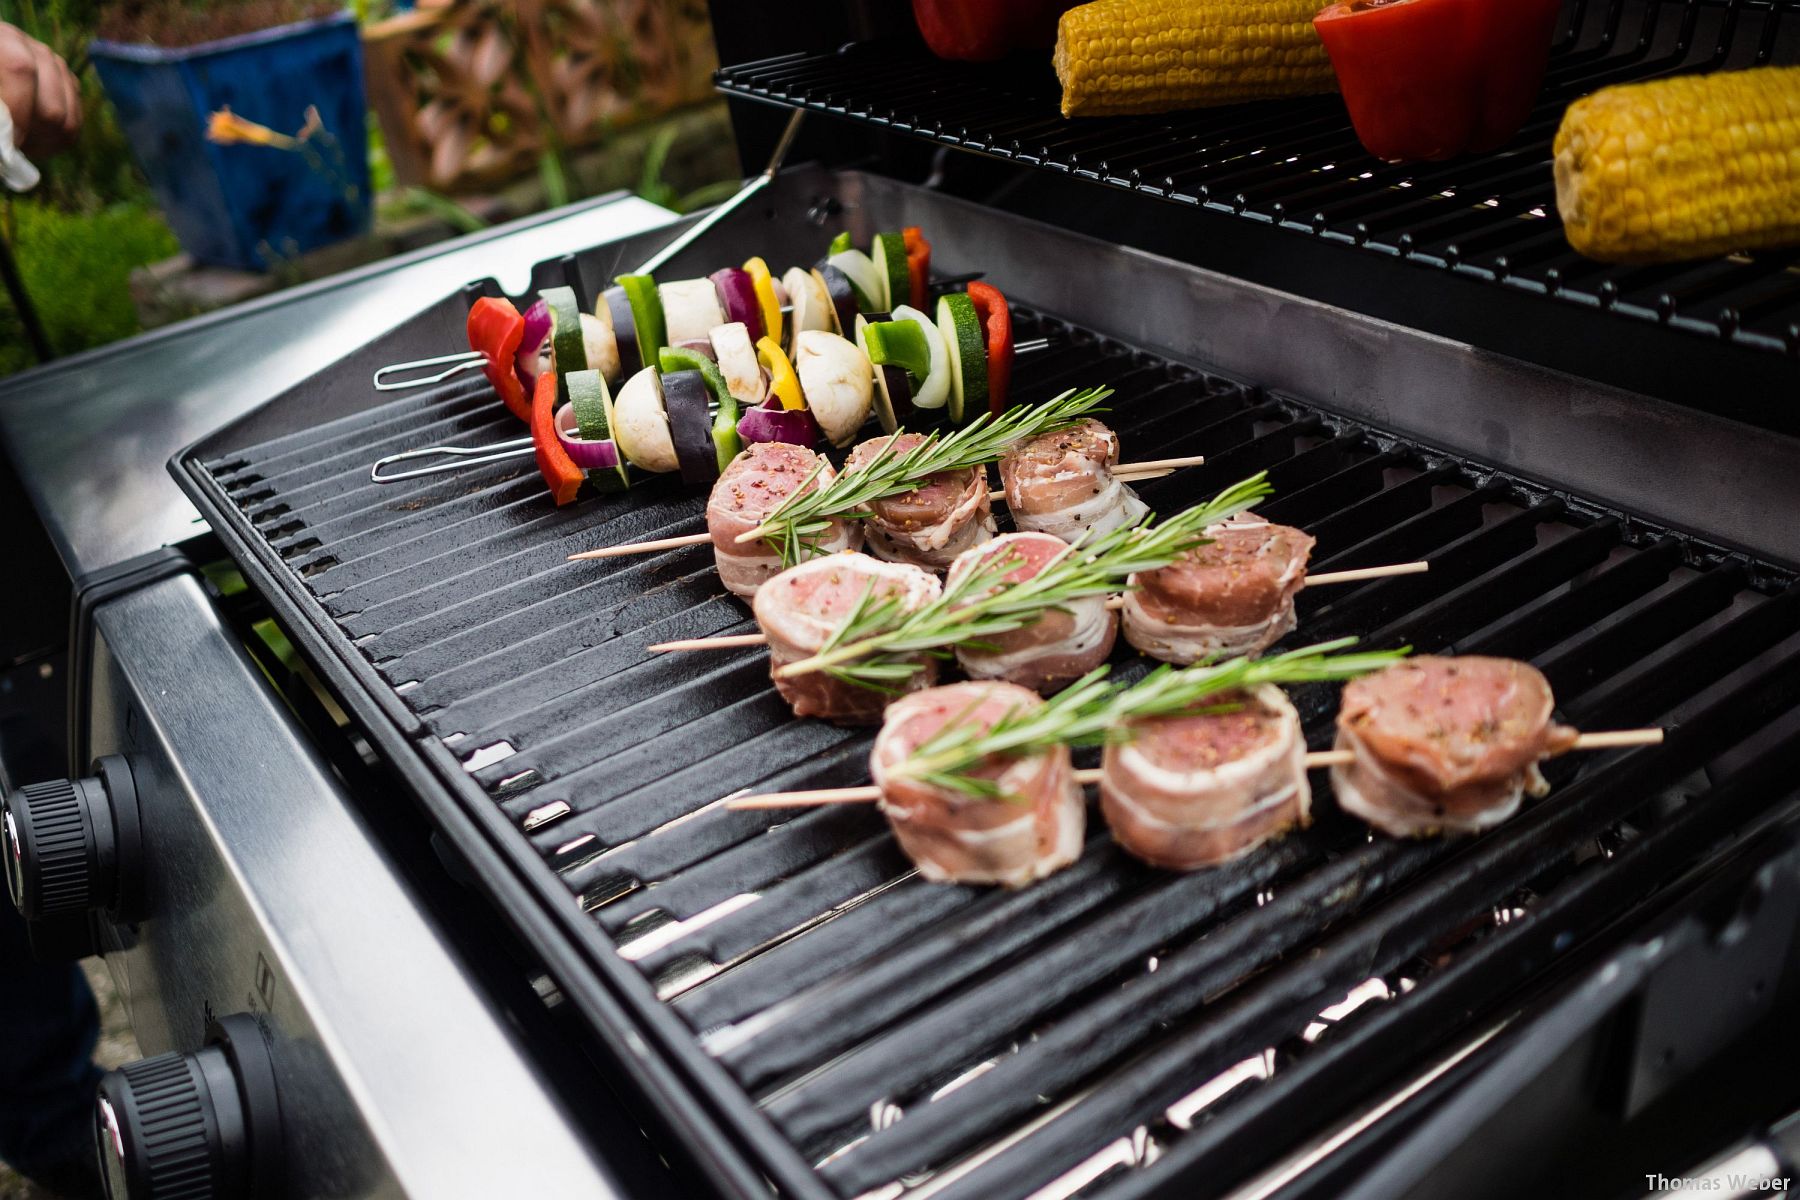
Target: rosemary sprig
797, 524
878, 644
1094, 712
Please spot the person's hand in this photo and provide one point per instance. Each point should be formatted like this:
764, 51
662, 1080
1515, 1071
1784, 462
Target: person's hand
40, 92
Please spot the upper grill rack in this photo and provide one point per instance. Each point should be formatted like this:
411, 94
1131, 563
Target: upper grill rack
1296, 164
837, 1010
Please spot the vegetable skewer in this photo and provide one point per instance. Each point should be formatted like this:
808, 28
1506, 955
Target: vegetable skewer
458, 458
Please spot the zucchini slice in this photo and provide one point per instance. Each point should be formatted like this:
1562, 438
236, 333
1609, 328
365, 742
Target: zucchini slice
592, 402
960, 327
889, 255
566, 339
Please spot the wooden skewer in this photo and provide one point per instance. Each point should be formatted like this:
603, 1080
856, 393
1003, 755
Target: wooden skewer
868, 793
738, 640
1160, 464
649, 547
1361, 573
1134, 474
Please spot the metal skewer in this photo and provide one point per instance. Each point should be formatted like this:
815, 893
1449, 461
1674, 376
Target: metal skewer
463, 360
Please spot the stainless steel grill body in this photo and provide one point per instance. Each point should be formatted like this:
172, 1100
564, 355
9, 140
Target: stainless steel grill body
797, 1004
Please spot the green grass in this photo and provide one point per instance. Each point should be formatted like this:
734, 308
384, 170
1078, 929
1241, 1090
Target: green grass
77, 268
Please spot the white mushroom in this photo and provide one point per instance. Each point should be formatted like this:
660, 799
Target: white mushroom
597, 339
812, 305
737, 362
602, 346
838, 382
641, 423
690, 309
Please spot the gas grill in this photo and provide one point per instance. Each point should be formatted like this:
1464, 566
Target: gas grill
1592, 992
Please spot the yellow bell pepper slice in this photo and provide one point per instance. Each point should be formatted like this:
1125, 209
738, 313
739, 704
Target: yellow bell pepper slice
782, 380
764, 283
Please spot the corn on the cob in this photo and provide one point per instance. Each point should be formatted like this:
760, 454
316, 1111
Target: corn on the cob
1682, 168
1142, 56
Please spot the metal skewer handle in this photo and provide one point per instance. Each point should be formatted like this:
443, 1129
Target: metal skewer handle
457, 458
463, 361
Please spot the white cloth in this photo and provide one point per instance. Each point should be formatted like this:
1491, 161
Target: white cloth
16, 171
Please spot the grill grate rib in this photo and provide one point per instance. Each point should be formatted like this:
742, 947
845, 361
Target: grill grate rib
1296, 164
984, 1042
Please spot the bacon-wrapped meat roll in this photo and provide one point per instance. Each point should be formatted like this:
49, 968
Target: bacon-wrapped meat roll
1036, 827
1062, 483
1059, 647
1233, 596
1200, 790
752, 486
1445, 744
933, 523
801, 608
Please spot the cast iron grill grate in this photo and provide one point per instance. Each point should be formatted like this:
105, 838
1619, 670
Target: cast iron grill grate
1296, 164
870, 1028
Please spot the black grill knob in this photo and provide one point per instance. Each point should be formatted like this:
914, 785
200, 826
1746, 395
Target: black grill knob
199, 1126
73, 847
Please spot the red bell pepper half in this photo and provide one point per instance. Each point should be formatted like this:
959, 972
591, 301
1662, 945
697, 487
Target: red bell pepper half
984, 30
560, 473
996, 319
918, 264
495, 331
1431, 79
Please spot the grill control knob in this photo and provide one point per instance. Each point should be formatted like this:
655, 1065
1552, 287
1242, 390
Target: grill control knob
73, 847
197, 1126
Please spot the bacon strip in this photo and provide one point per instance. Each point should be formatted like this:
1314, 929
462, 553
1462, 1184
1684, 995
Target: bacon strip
1062, 483
930, 525
1233, 596
802, 607
1053, 651
1445, 744
1034, 828
1197, 791
751, 487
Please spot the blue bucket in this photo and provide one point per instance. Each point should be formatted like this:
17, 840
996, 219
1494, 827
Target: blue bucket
245, 205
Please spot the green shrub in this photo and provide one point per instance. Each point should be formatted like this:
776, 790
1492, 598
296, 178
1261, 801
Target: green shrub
77, 268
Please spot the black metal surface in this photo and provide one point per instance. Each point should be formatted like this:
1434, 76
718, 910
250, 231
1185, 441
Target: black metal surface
789, 970
1296, 165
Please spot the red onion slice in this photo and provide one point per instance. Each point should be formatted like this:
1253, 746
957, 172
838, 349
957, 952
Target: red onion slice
737, 296
777, 424
589, 456
537, 330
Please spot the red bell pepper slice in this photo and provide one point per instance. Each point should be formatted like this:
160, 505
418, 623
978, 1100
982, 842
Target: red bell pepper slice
495, 331
996, 318
560, 473
984, 30
918, 264
1431, 79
